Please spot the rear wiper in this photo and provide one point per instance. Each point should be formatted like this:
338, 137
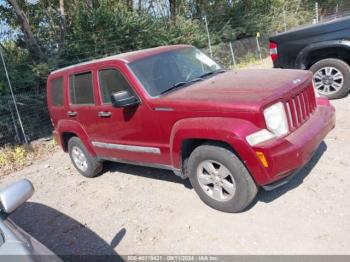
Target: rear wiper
218, 71
179, 84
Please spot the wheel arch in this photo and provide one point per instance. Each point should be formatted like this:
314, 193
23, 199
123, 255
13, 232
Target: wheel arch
188, 134
190, 144
65, 136
68, 129
339, 49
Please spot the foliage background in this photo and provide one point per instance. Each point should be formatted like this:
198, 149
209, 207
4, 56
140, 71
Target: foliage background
67, 32
38, 36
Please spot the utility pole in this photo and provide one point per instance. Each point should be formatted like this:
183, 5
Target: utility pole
13, 98
336, 10
316, 9
258, 46
233, 55
209, 43
284, 19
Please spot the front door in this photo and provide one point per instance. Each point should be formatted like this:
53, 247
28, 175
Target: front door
128, 133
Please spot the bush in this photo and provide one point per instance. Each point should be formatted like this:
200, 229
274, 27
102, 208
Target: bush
13, 158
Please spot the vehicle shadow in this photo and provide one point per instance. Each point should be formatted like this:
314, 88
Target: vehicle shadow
269, 196
263, 196
147, 172
66, 237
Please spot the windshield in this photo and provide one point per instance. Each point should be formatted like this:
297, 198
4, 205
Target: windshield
167, 71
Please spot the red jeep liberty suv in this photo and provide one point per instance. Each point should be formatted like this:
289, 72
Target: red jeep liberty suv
174, 108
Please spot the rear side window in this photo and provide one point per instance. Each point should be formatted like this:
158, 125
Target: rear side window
111, 81
81, 89
57, 92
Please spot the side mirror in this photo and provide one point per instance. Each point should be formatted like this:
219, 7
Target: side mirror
14, 195
124, 99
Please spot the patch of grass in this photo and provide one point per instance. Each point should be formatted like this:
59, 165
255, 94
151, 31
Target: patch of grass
250, 63
9, 156
13, 158
249, 59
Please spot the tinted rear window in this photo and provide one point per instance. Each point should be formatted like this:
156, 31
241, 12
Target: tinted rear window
57, 92
81, 89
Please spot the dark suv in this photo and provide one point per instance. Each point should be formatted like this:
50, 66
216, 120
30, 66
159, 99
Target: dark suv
323, 48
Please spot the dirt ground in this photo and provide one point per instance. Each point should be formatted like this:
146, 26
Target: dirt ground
137, 210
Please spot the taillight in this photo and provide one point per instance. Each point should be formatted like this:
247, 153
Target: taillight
273, 51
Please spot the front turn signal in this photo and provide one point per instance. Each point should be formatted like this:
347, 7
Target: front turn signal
262, 158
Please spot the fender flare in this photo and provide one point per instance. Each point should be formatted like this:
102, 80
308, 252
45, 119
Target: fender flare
71, 126
301, 60
228, 130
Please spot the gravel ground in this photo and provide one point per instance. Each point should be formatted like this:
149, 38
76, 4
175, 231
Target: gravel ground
137, 210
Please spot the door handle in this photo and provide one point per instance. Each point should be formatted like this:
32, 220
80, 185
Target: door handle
104, 114
72, 113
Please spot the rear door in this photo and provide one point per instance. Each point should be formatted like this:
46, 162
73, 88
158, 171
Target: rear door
82, 102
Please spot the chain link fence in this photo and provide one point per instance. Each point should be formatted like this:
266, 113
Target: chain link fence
34, 115
241, 53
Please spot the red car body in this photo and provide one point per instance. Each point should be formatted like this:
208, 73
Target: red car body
225, 108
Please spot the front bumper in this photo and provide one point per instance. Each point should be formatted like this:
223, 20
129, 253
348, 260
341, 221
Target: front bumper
288, 154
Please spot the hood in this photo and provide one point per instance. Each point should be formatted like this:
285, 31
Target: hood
242, 90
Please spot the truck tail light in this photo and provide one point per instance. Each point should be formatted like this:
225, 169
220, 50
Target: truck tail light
273, 51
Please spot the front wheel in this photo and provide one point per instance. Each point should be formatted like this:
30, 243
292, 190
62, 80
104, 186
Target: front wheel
220, 178
331, 78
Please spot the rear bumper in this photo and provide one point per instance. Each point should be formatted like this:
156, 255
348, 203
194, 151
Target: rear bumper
287, 155
57, 138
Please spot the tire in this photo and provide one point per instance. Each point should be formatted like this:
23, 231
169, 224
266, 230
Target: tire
86, 165
330, 87
232, 201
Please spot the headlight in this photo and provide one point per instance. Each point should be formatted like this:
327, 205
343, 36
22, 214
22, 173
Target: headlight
276, 119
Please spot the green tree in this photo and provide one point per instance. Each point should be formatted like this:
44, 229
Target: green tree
67, 32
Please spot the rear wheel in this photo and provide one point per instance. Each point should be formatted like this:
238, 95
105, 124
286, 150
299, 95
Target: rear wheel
331, 78
220, 178
87, 165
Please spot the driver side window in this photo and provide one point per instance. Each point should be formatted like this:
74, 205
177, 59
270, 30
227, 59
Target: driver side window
111, 81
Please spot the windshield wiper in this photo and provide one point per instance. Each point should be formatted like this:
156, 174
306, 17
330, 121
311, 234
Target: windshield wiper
179, 84
218, 71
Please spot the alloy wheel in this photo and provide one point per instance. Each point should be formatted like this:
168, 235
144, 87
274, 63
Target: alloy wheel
79, 158
328, 80
216, 180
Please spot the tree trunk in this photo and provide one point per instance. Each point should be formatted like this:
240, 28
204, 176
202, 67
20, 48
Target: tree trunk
27, 30
172, 4
140, 5
62, 8
62, 26
129, 4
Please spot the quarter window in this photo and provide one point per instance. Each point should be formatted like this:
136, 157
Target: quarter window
81, 89
57, 92
111, 81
